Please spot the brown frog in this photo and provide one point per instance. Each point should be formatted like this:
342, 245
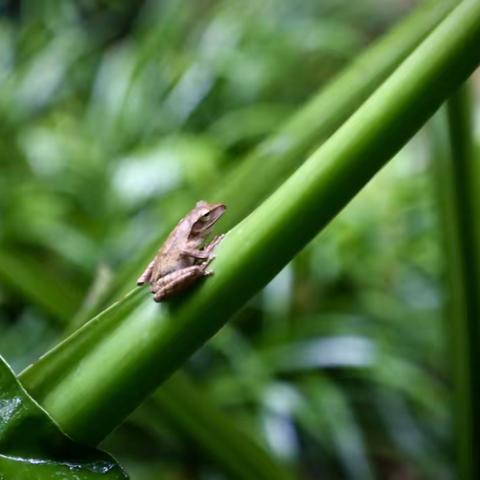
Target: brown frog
182, 260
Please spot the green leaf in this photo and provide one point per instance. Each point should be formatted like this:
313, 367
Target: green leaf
32, 447
457, 174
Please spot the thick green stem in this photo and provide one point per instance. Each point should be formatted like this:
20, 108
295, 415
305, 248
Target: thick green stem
116, 372
317, 119
458, 178
280, 154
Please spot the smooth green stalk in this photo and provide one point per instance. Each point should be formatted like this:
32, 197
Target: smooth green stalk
116, 372
311, 125
458, 176
178, 401
281, 153
307, 128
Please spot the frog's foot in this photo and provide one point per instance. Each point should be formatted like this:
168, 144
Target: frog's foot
145, 276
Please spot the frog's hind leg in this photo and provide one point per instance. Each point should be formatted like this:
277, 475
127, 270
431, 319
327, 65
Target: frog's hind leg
145, 276
178, 281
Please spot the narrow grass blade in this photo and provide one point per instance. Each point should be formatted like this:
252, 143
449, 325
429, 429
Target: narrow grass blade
458, 176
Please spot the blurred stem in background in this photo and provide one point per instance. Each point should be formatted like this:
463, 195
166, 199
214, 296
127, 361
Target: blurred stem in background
26, 273
458, 176
191, 413
128, 357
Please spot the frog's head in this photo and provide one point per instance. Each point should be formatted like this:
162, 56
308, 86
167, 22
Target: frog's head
204, 217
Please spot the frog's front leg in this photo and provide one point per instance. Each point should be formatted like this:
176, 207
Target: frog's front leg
195, 253
205, 252
178, 281
211, 246
145, 276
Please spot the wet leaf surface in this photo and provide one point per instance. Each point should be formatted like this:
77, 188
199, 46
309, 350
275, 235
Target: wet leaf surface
32, 447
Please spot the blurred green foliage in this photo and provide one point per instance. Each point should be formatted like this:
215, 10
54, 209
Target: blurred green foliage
114, 117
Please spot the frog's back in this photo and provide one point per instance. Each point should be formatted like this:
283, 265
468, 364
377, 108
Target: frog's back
169, 258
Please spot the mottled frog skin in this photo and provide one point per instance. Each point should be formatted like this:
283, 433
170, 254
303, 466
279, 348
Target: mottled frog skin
182, 260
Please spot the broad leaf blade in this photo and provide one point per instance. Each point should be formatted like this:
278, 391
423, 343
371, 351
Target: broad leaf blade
32, 447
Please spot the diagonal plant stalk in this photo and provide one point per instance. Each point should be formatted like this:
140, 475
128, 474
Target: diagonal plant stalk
435, 10
315, 121
126, 359
280, 154
458, 176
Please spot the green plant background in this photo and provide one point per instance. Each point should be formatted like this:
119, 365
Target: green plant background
114, 120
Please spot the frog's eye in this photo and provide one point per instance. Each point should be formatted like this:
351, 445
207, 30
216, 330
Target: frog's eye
202, 223
210, 216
